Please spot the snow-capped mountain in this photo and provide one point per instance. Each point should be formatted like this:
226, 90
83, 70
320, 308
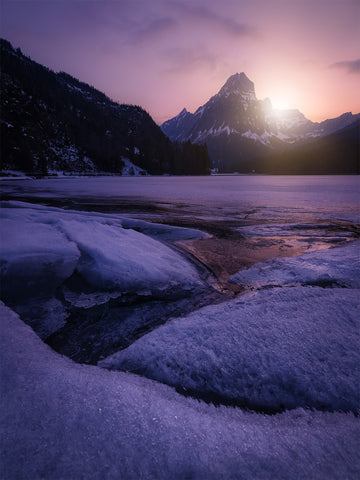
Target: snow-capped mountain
179, 127
237, 127
234, 109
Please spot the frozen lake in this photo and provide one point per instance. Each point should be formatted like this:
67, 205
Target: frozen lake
307, 193
235, 290
278, 215
216, 204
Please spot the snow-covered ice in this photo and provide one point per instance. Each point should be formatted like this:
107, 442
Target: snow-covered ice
308, 230
30, 212
34, 257
91, 257
48, 245
273, 349
126, 260
336, 266
62, 420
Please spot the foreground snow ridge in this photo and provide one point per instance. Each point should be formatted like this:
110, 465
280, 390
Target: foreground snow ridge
61, 420
269, 350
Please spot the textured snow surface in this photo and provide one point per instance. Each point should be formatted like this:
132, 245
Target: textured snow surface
33, 256
42, 246
61, 420
123, 259
292, 347
336, 266
292, 229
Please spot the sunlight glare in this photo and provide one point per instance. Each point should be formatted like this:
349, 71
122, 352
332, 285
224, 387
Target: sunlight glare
282, 101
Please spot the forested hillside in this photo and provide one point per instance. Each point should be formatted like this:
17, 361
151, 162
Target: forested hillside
52, 122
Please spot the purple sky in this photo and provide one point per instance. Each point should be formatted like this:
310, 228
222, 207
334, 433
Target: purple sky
165, 55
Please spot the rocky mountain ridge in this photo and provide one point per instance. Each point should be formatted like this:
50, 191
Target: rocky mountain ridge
237, 127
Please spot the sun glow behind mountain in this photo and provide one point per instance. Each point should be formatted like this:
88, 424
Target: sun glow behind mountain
167, 55
284, 99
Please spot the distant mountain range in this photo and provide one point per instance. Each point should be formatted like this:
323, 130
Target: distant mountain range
53, 123
245, 134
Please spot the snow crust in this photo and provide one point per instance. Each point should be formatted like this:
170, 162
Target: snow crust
338, 266
272, 349
284, 348
62, 420
30, 212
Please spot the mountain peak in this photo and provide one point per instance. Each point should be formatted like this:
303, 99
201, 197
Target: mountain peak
238, 84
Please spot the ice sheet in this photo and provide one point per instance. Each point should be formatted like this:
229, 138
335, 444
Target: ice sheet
47, 245
114, 258
33, 212
35, 258
329, 197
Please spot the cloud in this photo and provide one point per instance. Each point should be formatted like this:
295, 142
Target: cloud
170, 18
153, 29
351, 66
183, 59
202, 13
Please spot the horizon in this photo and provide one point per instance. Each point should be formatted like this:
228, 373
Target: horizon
302, 56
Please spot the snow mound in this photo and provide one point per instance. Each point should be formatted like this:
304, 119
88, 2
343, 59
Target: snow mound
336, 266
268, 350
61, 420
